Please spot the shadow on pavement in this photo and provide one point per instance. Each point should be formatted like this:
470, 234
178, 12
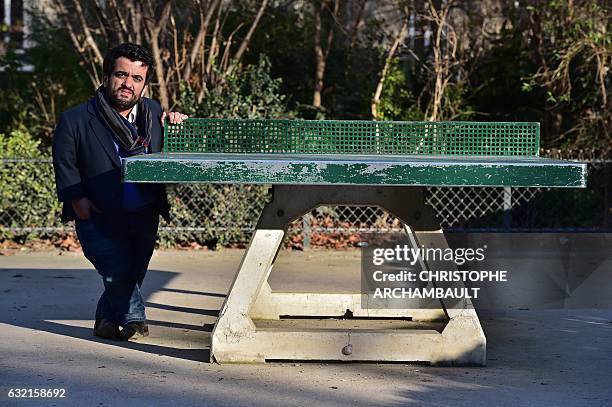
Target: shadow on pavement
63, 301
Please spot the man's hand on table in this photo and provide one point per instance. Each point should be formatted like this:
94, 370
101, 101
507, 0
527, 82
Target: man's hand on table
174, 117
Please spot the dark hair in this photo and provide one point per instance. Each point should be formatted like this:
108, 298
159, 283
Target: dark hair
133, 52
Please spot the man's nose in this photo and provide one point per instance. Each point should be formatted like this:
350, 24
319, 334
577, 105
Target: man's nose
128, 82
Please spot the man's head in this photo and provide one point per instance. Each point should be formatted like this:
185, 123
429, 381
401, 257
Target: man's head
128, 69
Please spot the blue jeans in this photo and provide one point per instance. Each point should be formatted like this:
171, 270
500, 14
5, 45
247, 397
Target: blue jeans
120, 249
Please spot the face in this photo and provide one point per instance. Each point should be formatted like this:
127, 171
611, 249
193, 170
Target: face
126, 84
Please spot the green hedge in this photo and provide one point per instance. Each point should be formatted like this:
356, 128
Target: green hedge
28, 187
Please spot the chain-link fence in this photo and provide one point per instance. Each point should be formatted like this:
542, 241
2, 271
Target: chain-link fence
226, 214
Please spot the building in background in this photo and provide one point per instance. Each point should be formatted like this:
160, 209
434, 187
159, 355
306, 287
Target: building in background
15, 24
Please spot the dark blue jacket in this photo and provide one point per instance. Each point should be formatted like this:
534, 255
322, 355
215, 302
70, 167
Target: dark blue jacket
86, 162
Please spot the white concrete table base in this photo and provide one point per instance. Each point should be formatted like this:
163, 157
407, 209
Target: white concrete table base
246, 331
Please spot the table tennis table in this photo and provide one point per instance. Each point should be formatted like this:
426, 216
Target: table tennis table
356, 163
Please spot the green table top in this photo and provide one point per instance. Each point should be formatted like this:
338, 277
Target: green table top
353, 169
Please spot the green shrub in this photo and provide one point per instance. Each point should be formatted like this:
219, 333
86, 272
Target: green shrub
27, 183
248, 94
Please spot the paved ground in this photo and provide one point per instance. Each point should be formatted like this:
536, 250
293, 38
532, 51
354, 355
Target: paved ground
535, 357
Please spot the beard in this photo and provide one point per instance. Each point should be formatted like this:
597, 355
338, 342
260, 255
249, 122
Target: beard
119, 101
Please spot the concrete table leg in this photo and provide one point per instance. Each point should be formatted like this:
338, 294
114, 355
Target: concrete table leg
236, 338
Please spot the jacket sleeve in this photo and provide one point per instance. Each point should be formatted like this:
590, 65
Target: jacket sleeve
156, 113
67, 174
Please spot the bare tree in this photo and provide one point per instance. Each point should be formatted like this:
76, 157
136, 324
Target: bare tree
201, 61
573, 51
431, 37
322, 7
153, 28
355, 23
399, 39
445, 58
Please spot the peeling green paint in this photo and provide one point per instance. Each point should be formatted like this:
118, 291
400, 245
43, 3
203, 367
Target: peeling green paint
354, 170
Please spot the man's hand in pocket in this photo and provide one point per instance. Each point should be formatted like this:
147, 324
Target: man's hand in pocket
83, 208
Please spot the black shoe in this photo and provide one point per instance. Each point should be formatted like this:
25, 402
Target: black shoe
134, 331
106, 329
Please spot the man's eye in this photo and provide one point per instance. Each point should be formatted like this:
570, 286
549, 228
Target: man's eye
137, 78
120, 74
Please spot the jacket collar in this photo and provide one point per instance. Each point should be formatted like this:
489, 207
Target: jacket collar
102, 133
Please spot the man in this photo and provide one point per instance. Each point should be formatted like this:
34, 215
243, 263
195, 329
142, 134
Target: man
116, 222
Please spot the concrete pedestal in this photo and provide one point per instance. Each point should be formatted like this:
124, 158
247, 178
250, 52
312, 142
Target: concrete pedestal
252, 324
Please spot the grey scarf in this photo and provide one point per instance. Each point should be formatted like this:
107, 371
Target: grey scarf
131, 141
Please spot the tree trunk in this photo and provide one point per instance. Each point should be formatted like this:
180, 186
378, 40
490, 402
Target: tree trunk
381, 82
154, 26
320, 53
319, 59
247, 39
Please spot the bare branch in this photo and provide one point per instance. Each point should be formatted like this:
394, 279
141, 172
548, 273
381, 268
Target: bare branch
124, 33
320, 53
225, 58
401, 36
247, 38
154, 26
62, 12
135, 13
443, 59
198, 43
214, 46
355, 28
184, 45
87, 33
